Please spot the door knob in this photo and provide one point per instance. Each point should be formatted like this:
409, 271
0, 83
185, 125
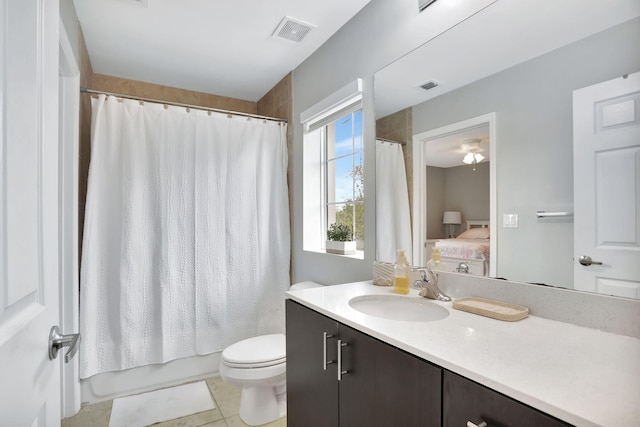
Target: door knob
57, 341
586, 260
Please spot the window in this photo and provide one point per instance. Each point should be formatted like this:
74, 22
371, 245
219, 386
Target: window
333, 166
343, 201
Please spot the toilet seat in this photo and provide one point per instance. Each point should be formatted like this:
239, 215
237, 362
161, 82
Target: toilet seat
256, 352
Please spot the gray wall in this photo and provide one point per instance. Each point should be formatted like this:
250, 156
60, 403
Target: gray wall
437, 200
468, 192
459, 189
537, 125
533, 104
382, 32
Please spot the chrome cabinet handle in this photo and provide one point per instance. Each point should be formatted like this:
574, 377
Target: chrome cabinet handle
57, 341
340, 371
482, 424
324, 351
587, 261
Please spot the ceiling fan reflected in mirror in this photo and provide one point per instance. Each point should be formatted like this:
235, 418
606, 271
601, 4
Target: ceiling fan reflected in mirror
472, 148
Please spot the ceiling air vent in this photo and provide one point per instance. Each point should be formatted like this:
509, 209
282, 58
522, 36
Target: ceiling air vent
292, 29
429, 85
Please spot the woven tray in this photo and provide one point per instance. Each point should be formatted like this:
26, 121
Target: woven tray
382, 273
491, 308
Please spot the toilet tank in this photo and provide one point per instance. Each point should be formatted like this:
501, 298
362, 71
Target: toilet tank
304, 285
277, 317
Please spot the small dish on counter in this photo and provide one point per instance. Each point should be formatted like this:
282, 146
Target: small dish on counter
492, 308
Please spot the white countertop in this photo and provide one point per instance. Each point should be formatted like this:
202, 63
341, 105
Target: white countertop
583, 376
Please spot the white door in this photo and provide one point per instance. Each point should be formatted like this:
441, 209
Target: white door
606, 149
29, 380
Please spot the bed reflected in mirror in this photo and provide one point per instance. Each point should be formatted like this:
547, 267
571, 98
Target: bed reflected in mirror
468, 252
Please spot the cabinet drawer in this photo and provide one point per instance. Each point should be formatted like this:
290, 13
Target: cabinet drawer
465, 400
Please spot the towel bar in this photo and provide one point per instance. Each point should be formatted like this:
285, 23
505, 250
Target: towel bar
543, 214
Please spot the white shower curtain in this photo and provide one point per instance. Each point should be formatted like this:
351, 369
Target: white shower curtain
393, 221
186, 240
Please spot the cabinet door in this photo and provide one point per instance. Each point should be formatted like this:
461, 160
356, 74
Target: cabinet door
465, 400
385, 386
312, 391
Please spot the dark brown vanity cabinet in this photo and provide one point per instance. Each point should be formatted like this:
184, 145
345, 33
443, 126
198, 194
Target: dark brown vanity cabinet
379, 384
312, 391
465, 401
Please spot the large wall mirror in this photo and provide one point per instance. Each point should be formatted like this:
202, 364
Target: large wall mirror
526, 78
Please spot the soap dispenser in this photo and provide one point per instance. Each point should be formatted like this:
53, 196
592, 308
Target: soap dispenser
401, 274
435, 263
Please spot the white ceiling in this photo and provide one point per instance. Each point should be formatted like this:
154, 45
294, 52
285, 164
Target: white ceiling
500, 36
224, 47
447, 151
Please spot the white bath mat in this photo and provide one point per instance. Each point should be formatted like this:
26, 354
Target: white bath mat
141, 410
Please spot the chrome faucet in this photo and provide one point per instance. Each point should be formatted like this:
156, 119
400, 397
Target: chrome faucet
428, 285
462, 268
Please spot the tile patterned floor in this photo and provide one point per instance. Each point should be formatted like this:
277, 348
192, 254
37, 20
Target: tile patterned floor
227, 401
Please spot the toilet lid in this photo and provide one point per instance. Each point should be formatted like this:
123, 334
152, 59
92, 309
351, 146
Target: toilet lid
264, 350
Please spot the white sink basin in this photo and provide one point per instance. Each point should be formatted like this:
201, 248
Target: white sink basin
396, 307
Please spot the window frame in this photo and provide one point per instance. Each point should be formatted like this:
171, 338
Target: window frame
328, 134
314, 120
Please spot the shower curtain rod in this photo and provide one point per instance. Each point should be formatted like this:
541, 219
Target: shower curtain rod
178, 104
391, 141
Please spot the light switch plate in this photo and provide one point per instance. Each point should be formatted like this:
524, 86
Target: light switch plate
510, 221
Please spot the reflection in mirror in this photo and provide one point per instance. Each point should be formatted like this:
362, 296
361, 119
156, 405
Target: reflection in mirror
533, 103
451, 191
452, 186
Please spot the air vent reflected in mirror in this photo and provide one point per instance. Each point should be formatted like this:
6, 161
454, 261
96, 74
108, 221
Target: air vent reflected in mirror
429, 85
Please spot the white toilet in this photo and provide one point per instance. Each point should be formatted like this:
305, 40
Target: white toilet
258, 365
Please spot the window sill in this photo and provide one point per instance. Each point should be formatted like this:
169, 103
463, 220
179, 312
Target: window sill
357, 255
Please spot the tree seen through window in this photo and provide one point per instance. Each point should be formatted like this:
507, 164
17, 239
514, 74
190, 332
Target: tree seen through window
345, 174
